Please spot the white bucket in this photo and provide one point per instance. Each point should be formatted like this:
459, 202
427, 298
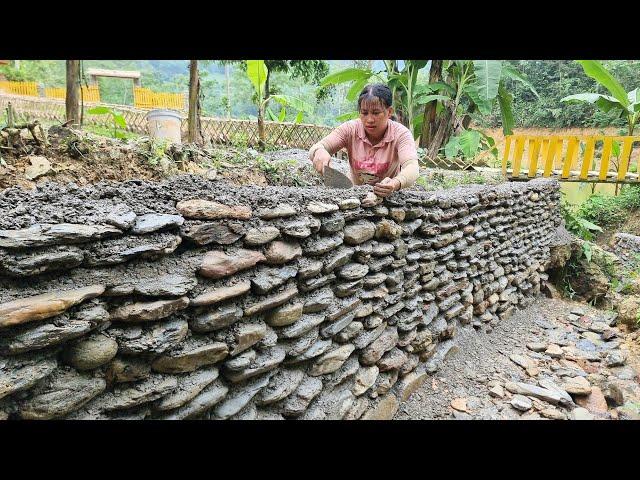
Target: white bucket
164, 124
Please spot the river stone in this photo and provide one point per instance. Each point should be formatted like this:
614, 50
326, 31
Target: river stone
190, 357
157, 339
18, 374
44, 306
217, 264
358, 232
127, 369
260, 236
337, 326
239, 396
27, 263
365, 379
245, 335
121, 216
349, 332
300, 344
318, 301
308, 268
353, 271
371, 200
208, 210
135, 394
113, 252
537, 346
410, 383
616, 358
285, 315
302, 326
385, 409
219, 294
318, 208
281, 210
374, 352
153, 222
375, 279
63, 328
577, 386
298, 401
242, 361
279, 252
42, 235
322, 245
581, 414
221, 232
387, 230
315, 350
392, 360
266, 279
520, 402
189, 386
91, 352
349, 204
216, 319
331, 361
337, 259
280, 386
270, 302
367, 337
535, 391
149, 311
266, 361
67, 391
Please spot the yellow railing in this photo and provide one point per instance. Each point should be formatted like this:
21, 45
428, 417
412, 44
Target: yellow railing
19, 88
145, 98
89, 94
589, 158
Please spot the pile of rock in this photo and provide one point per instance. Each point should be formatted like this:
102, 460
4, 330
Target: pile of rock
189, 299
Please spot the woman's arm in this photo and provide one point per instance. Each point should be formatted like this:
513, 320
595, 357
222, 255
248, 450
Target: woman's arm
332, 143
408, 156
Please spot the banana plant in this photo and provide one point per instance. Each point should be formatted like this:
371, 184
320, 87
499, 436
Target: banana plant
471, 86
628, 103
257, 72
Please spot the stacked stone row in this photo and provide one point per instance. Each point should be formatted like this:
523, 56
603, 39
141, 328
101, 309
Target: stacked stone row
322, 310
627, 247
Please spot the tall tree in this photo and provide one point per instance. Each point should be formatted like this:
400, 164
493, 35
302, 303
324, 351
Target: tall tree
429, 117
72, 102
194, 127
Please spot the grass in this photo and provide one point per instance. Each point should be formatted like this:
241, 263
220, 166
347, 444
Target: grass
610, 211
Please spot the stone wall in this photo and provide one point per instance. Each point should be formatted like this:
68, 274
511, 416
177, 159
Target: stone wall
193, 299
627, 248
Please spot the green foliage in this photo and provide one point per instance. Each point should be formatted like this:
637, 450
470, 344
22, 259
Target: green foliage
118, 120
611, 211
577, 224
627, 104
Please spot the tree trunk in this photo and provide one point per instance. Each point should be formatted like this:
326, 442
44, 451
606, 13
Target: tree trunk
261, 133
226, 74
428, 123
194, 128
72, 101
440, 135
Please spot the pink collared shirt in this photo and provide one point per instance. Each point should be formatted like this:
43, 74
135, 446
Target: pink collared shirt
394, 156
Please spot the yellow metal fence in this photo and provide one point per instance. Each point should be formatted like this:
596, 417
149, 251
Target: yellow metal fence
89, 94
145, 98
589, 158
19, 88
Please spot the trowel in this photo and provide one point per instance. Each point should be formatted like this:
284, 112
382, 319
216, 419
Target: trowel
335, 178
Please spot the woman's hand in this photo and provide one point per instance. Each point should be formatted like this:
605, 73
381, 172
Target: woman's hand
321, 159
386, 187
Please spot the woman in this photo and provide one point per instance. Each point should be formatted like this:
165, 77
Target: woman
381, 152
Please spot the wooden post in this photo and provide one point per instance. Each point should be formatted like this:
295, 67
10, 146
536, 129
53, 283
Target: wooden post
194, 132
72, 102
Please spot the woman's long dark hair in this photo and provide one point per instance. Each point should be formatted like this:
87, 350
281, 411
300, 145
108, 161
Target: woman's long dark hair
377, 91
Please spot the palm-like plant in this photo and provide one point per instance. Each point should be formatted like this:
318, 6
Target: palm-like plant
627, 103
